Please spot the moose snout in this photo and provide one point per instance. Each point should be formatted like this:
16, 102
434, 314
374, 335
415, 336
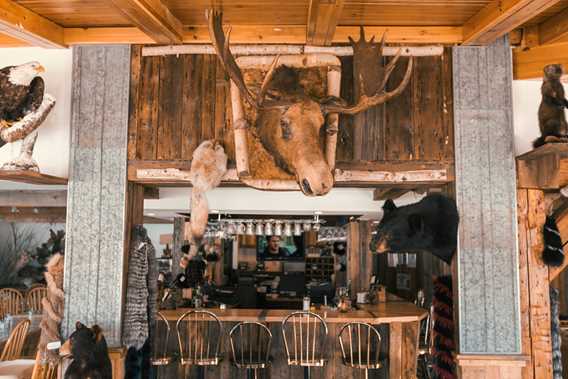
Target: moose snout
306, 187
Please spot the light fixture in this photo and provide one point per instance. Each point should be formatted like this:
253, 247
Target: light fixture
268, 229
259, 229
316, 227
297, 229
278, 228
307, 226
150, 214
250, 229
288, 229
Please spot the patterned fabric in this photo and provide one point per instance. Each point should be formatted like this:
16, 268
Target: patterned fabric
443, 366
141, 293
556, 336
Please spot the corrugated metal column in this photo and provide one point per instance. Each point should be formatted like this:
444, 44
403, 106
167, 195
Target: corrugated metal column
488, 277
96, 201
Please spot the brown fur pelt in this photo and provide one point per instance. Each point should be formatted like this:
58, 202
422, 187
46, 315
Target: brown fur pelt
208, 166
551, 115
52, 305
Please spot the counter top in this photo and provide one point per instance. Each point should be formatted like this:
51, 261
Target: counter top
388, 312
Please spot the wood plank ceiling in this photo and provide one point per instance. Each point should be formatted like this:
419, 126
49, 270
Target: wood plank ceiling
317, 22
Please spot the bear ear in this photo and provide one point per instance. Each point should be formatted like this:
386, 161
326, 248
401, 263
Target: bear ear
416, 223
389, 206
78, 325
98, 332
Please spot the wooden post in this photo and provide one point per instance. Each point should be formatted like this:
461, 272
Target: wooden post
359, 256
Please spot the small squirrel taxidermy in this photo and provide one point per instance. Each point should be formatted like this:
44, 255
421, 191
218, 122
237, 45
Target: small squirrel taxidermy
551, 116
553, 253
208, 166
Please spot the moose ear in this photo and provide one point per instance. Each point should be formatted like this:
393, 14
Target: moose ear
416, 223
98, 332
78, 325
389, 206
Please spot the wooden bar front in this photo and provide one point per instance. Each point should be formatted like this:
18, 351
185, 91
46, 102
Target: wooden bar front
398, 323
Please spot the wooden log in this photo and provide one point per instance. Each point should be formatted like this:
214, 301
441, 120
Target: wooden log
240, 126
332, 120
29, 122
33, 198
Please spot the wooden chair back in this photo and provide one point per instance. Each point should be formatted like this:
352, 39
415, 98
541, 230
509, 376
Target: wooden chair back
360, 345
250, 345
11, 301
34, 297
15, 344
199, 337
161, 341
305, 335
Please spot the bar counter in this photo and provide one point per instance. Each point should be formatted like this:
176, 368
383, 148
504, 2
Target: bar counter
398, 323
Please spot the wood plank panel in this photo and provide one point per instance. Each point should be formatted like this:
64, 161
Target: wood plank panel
191, 105
21, 23
169, 108
554, 28
529, 64
133, 107
148, 103
208, 84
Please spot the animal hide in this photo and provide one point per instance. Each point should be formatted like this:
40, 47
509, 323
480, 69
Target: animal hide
430, 225
556, 333
208, 166
141, 296
52, 313
443, 364
553, 253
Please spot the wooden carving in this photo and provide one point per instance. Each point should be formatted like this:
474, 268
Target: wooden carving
289, 121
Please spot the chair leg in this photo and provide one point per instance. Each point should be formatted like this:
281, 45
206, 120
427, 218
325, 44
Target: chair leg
366, 373
307, 373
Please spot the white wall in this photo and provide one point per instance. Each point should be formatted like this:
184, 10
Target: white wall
526, 100
52, 147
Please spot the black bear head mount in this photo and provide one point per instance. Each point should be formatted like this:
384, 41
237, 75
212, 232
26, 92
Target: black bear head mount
430, 225
85, 342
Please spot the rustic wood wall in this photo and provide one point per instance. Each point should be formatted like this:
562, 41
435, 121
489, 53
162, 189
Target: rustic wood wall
178, 101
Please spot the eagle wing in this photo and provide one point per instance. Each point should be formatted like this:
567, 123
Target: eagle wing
35, 95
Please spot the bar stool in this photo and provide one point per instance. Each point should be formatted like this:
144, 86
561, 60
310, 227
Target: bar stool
364, 347
161, 341
306, 332
250, 345
199, 337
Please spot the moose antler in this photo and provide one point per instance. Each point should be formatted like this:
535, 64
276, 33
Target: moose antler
221, 45
370, 73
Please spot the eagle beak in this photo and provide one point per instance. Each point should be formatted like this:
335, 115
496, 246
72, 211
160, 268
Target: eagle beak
40, 69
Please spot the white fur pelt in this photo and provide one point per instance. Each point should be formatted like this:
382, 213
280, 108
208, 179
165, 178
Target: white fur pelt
208, 166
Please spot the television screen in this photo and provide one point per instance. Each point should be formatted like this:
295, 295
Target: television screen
279, 248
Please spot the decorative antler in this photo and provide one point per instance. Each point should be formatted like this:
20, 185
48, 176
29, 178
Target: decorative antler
370, 73
221, 45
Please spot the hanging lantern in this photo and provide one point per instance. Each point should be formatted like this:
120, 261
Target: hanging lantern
297, 229
278, 228
241, 228
250, 229
259, 229
307, 226
268, 229
288, 229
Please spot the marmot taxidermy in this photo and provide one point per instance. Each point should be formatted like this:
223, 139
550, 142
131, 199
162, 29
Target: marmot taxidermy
551, 117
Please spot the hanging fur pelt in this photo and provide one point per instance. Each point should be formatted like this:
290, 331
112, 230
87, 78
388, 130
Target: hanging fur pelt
553, 253
208, 166
141, 295
556, 336
443, 331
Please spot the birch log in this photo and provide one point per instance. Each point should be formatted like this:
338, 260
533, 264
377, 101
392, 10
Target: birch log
29, 122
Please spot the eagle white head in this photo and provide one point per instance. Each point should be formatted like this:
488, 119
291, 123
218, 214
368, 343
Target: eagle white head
23, 74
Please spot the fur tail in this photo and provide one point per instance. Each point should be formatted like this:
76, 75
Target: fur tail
553, 254
199, 218
538, 142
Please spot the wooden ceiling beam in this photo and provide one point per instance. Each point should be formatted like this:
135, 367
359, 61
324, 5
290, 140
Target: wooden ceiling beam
33, 214
31, 198
153, 18
323, 16
269, 34
500, 17
22, 24
554, 29
528, 64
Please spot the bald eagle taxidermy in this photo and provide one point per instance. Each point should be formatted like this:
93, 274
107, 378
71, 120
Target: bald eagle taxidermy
24, 105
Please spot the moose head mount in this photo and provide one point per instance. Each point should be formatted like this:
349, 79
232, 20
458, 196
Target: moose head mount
290, 121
